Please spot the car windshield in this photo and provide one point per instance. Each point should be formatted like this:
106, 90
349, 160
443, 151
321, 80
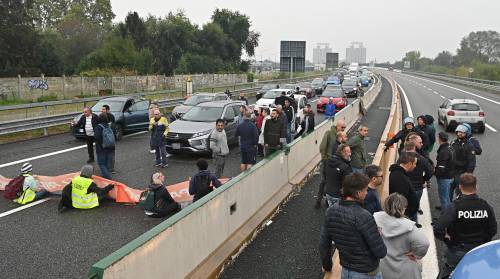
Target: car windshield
196, 99
271, 94
115, 106
349, 83
203, 114
335, 93
365, 77
465, 107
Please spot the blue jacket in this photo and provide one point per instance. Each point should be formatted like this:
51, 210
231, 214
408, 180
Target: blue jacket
249, 135
372, 201
330, 109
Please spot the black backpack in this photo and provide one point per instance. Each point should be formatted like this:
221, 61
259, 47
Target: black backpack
147, 200
202, 184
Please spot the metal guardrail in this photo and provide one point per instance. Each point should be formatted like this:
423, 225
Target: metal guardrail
489, 85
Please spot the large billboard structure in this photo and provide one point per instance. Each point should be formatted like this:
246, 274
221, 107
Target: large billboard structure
332, 60
293, 56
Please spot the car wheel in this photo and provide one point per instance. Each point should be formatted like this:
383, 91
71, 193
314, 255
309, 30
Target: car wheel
118, 132
481, 129
446, 126
439, 120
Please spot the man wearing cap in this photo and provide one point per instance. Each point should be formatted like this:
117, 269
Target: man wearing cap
409, 127
444, 169
464, 156
330, 109
31, 190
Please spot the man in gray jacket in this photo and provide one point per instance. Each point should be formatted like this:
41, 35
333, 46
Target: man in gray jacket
358, 149
218, 144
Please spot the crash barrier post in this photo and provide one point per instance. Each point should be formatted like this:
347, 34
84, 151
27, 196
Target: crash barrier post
196, 242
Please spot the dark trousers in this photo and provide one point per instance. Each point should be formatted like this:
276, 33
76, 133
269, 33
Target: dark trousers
321, 188
90, 146
102, 193
104, 161
166, 211
270, 150
111, 166
454, 186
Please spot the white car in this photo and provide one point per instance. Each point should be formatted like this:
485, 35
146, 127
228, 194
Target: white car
268, 98
453, 112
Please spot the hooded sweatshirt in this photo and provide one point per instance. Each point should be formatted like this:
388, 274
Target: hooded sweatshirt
401, 236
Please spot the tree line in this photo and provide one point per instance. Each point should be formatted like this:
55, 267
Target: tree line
478, 50
78, 37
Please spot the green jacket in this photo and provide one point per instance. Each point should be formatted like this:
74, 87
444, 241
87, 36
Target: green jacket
358, 151
329, 138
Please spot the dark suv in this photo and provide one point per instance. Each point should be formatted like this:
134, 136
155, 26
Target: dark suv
131, 115
191, 133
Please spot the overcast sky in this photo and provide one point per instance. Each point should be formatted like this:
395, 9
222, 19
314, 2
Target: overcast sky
388, 28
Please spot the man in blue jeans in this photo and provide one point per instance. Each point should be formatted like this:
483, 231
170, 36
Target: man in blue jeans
443, 172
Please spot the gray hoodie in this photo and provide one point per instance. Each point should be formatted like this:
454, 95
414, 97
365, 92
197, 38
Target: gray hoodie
218, 142
401, 236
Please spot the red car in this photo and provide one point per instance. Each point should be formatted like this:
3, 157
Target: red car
339, 99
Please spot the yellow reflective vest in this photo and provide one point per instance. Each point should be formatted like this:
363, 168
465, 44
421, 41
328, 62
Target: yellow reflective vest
27, 196
79, 197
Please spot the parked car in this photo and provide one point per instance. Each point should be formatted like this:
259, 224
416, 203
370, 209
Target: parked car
264, 89
452, 112
131, 115
269, 97
318, 84
190, 134
480, 262
338, 95
198, 98
306, 88
350, 87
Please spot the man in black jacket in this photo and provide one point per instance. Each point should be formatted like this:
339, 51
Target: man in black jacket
443, 172
399, 182
409, 127
464, 156
467, 223
337, 168
288, 110
273, 133
88, 121
307, 124
354, 232
164, 204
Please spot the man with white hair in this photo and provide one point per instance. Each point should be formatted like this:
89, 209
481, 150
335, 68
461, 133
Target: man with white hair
158, 125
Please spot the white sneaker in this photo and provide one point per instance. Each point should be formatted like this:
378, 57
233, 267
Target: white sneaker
168, 155
152, 151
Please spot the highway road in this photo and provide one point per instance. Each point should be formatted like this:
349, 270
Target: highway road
425, 96
39, 242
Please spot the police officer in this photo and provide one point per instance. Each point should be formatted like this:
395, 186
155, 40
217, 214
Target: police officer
463, 154
467, 223
409, 127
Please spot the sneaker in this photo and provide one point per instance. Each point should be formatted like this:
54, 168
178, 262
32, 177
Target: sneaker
152, 151
420, 212
168, 155
158, 164
164, 165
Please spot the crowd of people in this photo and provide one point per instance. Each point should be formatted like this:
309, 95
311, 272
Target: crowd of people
382, 238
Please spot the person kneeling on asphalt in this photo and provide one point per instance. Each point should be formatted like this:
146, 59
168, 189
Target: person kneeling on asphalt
31, 191
354, 233
82, 192
467, 223
202, 183
162, 202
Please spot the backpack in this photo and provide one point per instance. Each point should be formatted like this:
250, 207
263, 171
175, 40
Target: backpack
108, 137
147, 200
14, 189
477, 146
203, 186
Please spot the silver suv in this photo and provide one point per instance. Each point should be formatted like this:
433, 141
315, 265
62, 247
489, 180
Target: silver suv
198, 98
452, 112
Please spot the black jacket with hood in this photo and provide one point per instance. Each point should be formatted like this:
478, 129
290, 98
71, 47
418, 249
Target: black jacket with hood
399, 182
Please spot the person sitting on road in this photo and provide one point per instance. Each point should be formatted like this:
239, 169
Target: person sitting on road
330, 109
202, 183
31, 190
406, 245
164, 204
82, 192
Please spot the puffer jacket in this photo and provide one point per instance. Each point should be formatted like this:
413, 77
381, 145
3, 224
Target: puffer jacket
355, 234
399, 182
336, 169
400, 237
159, 130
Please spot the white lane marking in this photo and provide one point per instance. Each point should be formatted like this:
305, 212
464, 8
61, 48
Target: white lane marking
442, 97
408, 107
6, 213
57, 152
429, 89
463, 91
435, 92
490, 127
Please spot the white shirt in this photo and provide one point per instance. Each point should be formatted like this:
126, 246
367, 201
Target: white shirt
89, 130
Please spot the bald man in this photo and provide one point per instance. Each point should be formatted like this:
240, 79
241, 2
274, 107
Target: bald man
88, 121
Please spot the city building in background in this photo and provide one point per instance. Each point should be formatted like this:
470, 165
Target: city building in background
356, 53
319, 53
332, 60
293, 56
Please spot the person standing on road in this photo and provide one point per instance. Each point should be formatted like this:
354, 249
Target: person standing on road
467, 223
307, 124
425, 128
105, 109
406, 245
409, 127
104, 153
474, 141
265, 116
399, 182
202, 183
330, 109
164, 204
249, 138
158, 125
219, 147
372, 199
288, 110
241, 118
284, 123
273, 133
326, 151
89, 121
429, 120
82, 192
337, 168
152, 107
30, 191
243, 98
443, 171
354, 233
464, 157
358, 148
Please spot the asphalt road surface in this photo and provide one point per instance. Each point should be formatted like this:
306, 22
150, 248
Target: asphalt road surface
39, 242
288, 247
